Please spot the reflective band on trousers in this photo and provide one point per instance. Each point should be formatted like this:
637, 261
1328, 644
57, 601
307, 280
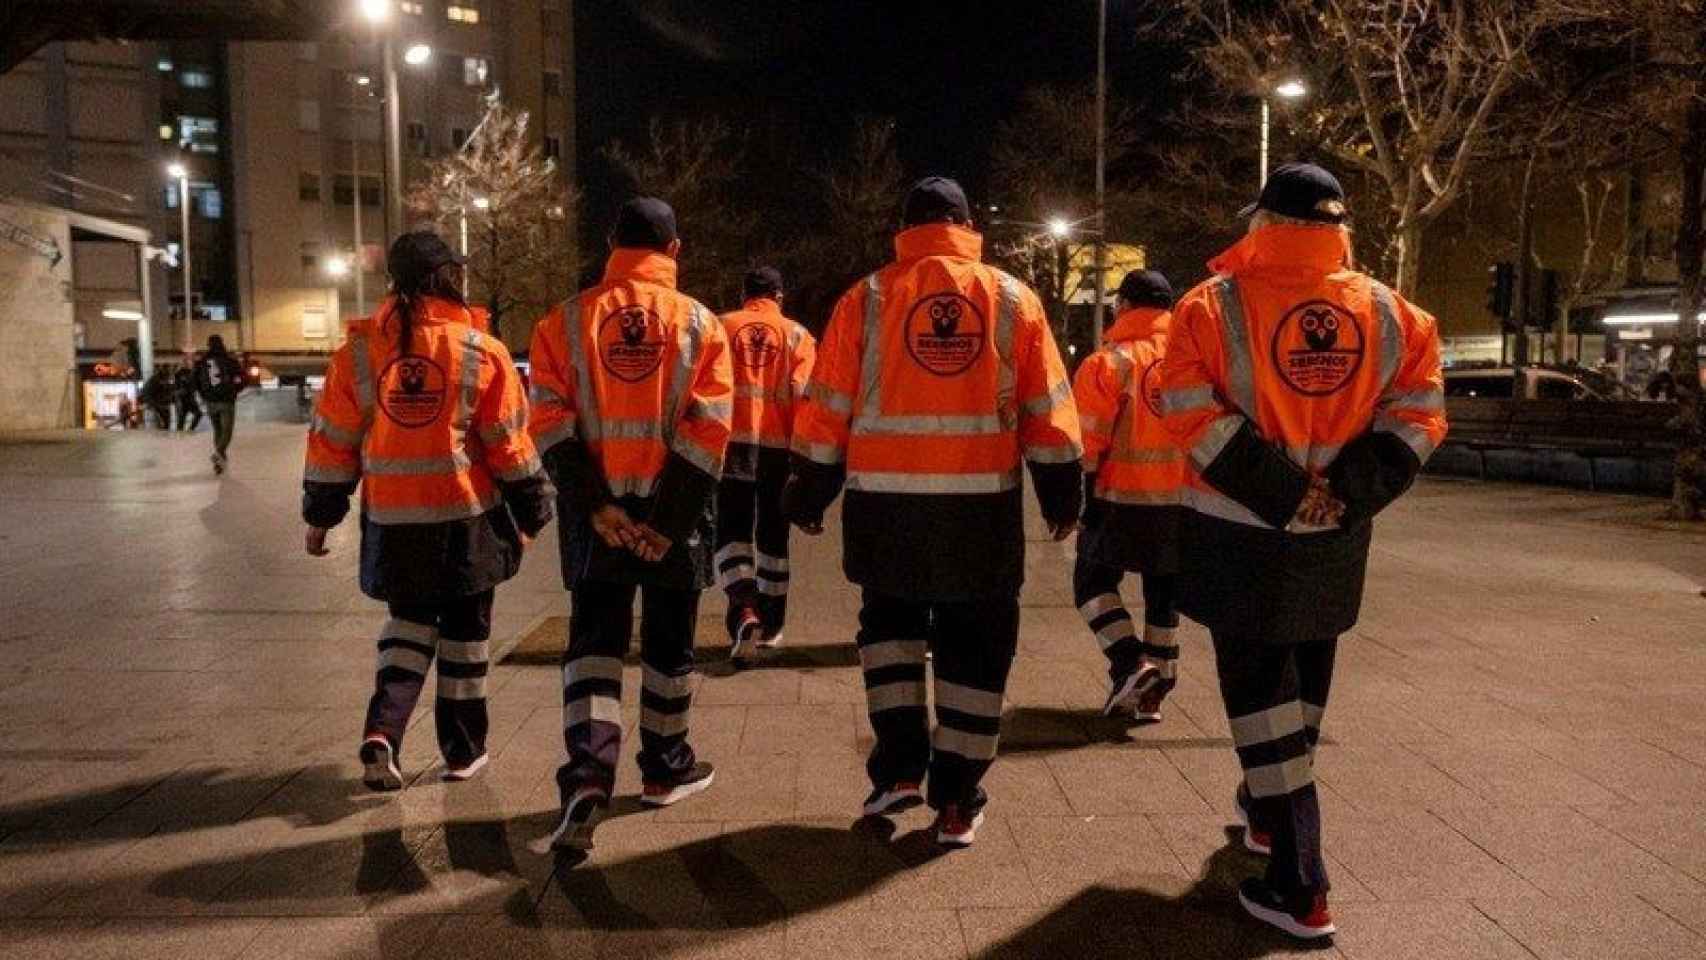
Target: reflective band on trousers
877, 482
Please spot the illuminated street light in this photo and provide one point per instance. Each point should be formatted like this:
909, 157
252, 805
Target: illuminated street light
1291, 89
417, 54
337, 267
176, 171
482, 203
362, 80
181, 173
376, 11
1059, 228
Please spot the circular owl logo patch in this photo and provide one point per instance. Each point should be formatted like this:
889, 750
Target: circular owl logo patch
756, 346
945, 334
1149, 387
631, 342
1318, 348
412, 391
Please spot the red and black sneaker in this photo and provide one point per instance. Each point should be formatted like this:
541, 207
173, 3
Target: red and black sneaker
893, 799
1305, 919
1257, 841
662, 793
956, 827
749, 636
580, 815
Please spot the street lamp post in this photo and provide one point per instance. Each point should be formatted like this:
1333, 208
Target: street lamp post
362, 81
1101, 167
186, 335
1288, 90
377, 12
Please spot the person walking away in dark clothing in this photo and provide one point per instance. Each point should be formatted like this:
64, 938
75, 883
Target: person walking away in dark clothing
1308, 396
427, 416
937, 383
157, 394
772, 359
219, 378
1133, 470
184, 397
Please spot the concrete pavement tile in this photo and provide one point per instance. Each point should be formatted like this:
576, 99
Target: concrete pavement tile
1377, 778
339, 938
859, 933
1688, 909
990, 873
799, 728
1440, 930
1022, 786
1638, 771
1510, 772
1064, 854
1566, 854
340, 875
714, 943
168, 874
834, 785
495, 866
639, 876
38, 866
1118, 779
1407, 854
170, 939
57, 938
749, 786
1601, 927
466, 938
763, 686
1210, 849
1673, 834
833, 686
763, 873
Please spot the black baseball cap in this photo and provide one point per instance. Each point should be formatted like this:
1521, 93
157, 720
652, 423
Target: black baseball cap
1297, 190
762, 282
644, 222
414, 256
1147, 288
934, 200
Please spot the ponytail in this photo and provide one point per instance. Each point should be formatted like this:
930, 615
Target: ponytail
407, 298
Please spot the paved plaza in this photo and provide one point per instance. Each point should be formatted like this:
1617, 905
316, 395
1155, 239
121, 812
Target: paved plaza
1515, 762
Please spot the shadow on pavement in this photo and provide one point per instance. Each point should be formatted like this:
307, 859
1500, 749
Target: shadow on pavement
715, 660
1055, 729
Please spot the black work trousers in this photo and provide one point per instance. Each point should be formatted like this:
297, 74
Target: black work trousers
973, 645
1096, 592
601, 625
189, 412
752, 549
456, 632
1275, 696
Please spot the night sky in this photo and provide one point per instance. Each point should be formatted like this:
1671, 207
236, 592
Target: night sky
947, 71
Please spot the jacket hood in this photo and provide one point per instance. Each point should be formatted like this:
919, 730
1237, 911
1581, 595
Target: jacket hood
430, 311
1288, 247
1139, 323
938, 240
641, 264
764, 305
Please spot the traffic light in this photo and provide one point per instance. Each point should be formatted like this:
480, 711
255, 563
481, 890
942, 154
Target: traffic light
1550, 286
1501, 282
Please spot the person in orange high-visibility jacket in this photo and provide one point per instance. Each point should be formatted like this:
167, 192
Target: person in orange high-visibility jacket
632, 391
772, 359
427, 416
1308, 396
937, 378
1133, 469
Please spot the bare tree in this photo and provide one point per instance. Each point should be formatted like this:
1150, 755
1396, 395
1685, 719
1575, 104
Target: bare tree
862, 198
1410, 94
696, 167
513, 204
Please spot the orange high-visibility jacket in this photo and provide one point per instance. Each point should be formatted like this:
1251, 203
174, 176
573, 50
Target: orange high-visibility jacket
937, 375
436, 435
772, 358
1134, 456
639, 374
936, 378
1281, 362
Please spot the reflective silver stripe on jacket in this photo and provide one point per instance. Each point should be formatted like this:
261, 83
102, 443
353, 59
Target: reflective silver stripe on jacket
589, 422
871, 359
1413, 435
827, 454
930, 424
415, 466
557, 434
336, 435
362, 365
1187, 399
1146, 455
631, 486
831, 399
468, 397
1391, 336
317, 473
444, 513
1235, 335
1042, 406
520, 471
931, 483
1214, 439
1140, 498
502, 430
1006, 321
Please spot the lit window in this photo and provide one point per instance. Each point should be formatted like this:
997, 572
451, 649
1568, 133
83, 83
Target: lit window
165, 66
475, 71
195, 79
167, 131
462, 14
171, 195
199, 134
411, 8
208, 202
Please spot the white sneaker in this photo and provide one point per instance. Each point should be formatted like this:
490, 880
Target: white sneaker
459, 774
770, 641
379, 765
580, 815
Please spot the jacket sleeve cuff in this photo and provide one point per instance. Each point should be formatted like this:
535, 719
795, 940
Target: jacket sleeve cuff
576, 476
683, 493
325, 505
811, 488
1256, 474
1060, 490
531, 502
1370, 472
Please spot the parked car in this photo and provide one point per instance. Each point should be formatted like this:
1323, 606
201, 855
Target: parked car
1534, 383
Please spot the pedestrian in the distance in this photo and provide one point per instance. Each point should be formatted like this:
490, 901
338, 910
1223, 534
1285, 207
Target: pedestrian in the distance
157, 395
428, 417
219, 379
1133, 471
772, 359
1308, 396
184, 396
936, 383
631, 389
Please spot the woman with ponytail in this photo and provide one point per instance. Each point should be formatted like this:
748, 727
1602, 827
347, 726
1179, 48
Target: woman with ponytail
426, 415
